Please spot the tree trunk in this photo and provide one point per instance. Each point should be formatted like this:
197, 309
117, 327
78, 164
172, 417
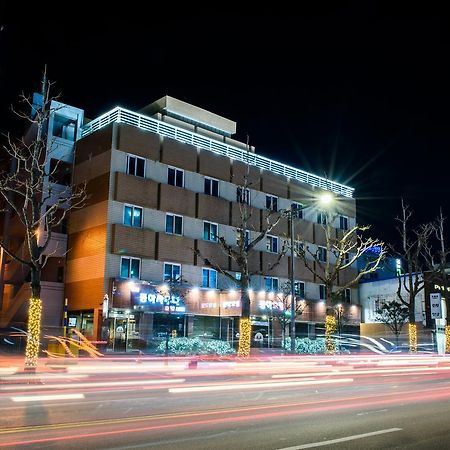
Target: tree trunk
34, 321
245, 327
330, 324
412, 330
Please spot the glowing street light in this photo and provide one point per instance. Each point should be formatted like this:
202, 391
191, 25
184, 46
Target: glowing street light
325, 200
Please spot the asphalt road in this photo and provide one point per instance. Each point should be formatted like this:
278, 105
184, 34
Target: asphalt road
273, 403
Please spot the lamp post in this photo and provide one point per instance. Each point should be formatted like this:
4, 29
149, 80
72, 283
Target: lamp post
325, 200
292, 324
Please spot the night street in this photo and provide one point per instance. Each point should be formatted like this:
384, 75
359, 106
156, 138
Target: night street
267, 403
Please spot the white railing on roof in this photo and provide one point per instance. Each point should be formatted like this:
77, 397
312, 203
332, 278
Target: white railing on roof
164, 129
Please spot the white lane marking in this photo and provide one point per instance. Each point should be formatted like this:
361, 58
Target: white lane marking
230, 387
42, 398
345, 439
371, 412
89, 385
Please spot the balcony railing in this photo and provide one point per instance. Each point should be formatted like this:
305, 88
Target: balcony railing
121, 115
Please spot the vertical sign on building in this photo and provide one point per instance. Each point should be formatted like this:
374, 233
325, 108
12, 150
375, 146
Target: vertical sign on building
435, 306
105, 306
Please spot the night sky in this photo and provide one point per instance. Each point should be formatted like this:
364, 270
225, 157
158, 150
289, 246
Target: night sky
356, 94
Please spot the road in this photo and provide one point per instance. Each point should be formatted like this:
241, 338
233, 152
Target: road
283, 403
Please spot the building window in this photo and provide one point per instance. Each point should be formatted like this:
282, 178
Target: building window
343, 223
64, 127
322, 292
321, 217
174, 224
130, 267
132, 216
60, 172
271, 284
172, 273
243, 195
135, 166
346, 258
175, 177
210, 231
299, 248
299, 289
271, 203
297, 210
209, 278
322, 254
348, 295
211, 187
247, 238
272, 244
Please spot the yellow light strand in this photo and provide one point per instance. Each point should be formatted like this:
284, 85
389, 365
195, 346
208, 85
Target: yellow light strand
34, 333
245, 332
447, 339
330, 329
412, 332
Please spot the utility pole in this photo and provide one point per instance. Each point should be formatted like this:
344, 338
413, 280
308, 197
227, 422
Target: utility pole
291, 216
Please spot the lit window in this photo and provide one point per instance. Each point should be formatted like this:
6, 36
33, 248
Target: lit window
322, 292
271, 203
299, 289
209, 278
343, 223
210, 231
132, 216
175, 177
322, 218
211, 187
272, 244
130, 267
322, 254
135, 166
174, 224
271, 284
243, 195
172, 273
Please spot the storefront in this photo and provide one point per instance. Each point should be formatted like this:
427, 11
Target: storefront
140, 315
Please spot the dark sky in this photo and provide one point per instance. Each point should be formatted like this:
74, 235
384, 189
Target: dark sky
354, 92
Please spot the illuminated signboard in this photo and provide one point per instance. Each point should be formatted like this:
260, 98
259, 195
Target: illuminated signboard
269, 304
156, 301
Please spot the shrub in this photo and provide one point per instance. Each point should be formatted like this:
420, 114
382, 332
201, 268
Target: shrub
307, 346
195, 346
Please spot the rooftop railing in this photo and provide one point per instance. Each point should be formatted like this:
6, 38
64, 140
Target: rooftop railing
121, 115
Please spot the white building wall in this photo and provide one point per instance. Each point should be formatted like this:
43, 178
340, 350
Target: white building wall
381, 291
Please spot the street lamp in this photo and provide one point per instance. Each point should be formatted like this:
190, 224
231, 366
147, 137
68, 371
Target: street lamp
325, 200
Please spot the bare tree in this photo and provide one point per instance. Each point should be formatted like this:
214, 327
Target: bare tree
282, 315
438, 263
239, 252
346, 248
172, 292
415, 244
394, 314
29, 193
